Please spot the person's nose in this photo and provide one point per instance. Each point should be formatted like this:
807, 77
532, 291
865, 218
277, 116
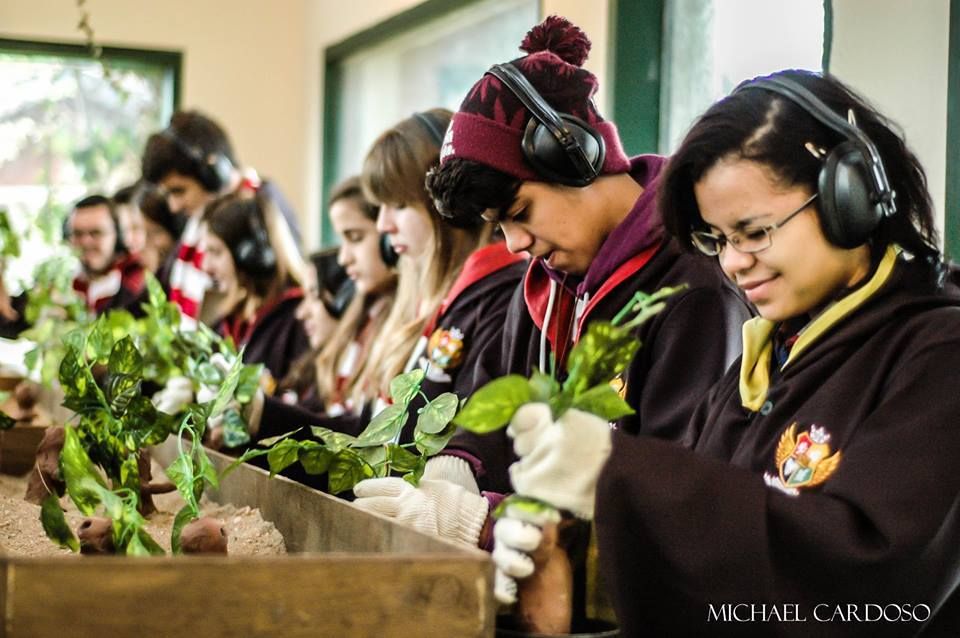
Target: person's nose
732, 261
517, 239
386, 221
344, 256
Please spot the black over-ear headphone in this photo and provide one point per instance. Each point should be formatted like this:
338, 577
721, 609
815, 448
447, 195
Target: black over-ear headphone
561, 148
213, 170
853, 190
254, 254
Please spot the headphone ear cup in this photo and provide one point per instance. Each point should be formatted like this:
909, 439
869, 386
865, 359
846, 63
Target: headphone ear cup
847, 213
577, 167
256, 256
387, 253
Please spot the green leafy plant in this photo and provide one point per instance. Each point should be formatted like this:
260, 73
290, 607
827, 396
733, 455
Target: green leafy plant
87, 490
599, 357
9, 240
374, 453
192, 471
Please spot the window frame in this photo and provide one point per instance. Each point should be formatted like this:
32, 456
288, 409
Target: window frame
637, 43
172, 61
951, 206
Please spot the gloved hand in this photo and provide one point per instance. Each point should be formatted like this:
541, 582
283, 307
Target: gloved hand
516, 534
447, 502
176, 394
209, 392
559, 461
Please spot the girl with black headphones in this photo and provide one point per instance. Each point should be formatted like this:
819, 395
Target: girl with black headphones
252, 260
818, 491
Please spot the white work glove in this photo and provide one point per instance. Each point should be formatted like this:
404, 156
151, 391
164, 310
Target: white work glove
516, 534
206, 392
559, 461
447, 502
174, 396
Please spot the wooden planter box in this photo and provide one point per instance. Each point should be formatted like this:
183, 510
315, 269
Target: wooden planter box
350, 573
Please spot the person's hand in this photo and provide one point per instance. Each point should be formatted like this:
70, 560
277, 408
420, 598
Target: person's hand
447, 502
174, 396
559, 461
517, 534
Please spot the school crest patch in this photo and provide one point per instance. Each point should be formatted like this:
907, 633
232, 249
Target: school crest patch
803, 460
444, 353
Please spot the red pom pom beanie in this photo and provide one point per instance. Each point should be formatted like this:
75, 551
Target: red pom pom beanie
489, 126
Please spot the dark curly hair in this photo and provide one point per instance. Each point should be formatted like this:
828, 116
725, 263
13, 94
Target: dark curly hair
764, 127
463, 189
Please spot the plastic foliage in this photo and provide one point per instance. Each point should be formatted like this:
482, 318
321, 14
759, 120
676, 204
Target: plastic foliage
375, 452
87, 489
192, 471
600, 357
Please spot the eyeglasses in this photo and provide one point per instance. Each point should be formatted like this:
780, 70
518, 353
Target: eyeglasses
95, 233
749, 241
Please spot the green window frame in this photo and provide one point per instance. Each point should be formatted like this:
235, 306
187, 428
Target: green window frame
636, 59
951, 217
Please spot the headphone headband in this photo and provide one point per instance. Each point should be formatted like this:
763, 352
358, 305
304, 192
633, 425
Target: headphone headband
431, 127
545, 115
213, 169
813, 105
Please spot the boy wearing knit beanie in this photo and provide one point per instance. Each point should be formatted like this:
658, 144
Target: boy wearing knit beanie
557, 181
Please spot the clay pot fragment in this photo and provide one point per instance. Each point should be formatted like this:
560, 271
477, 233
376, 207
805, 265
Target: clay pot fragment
148, 489
205, 535
45, 477
96, 536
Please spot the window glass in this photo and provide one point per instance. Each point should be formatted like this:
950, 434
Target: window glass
71, 126
432, 64
713, 45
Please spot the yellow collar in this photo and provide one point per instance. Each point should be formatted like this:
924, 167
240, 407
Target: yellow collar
758, 332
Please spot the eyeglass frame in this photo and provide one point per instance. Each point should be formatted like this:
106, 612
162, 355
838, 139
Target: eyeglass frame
723, 240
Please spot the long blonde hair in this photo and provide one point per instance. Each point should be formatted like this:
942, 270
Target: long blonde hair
394, 172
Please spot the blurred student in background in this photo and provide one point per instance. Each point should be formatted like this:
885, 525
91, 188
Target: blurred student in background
192, 161
258, 274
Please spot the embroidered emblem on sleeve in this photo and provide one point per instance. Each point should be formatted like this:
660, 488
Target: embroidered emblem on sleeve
444, 353
803, 460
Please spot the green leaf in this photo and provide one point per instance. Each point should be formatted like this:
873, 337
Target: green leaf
153, 548
121, 390
209, 374
346, 470
125, 358
405, 386
6, 421
384, 427
602, 353
273, 439
603, 401
335, 441
492, 406
430, 444
55, 524
438, 413
226, 390
100, 341
75, 464
315, 459
542, 387
403, 460
529, 505
283, 455
234, 430
180, 472
184, 516
376, 458
249, 382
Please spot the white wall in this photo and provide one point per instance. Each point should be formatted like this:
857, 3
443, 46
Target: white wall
244, 64
895, 53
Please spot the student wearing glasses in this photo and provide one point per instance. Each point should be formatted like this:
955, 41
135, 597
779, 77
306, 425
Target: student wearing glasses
821, 496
